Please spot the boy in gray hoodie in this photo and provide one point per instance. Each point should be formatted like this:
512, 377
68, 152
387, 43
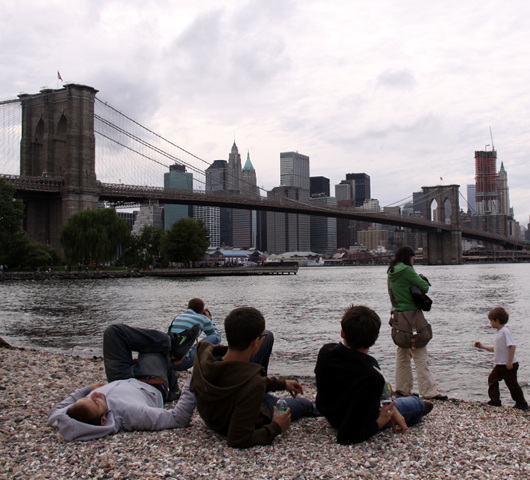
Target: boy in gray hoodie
135, 395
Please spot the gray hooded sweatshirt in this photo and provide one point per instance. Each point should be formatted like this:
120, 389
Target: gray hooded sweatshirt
133, 405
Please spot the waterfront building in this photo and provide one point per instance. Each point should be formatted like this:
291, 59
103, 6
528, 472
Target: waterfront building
177, 178
129, 217
373, 239
150, 214
323, 229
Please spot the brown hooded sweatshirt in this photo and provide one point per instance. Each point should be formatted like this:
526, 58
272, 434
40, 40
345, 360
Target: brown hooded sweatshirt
230, 397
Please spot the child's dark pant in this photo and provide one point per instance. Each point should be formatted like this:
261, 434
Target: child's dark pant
500, 372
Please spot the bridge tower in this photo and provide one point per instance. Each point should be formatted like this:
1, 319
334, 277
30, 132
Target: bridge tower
58, 142
441, 204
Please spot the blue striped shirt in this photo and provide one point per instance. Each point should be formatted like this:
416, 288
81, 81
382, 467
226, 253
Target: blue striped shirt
188, 319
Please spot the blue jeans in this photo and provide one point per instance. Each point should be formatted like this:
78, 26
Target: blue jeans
411, 408
190, 357
263, 354
119, 341
300, 407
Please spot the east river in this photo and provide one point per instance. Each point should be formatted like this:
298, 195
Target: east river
303, 311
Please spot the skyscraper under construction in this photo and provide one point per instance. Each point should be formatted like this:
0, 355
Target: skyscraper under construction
486, 194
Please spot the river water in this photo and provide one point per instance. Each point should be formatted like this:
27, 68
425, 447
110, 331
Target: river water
303, 311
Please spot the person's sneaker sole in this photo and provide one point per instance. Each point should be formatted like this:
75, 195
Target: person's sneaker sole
181, 343
428, 406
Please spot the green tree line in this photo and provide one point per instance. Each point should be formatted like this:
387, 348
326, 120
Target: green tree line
94, 235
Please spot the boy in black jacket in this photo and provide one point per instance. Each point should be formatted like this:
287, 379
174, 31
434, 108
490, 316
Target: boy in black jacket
350, 384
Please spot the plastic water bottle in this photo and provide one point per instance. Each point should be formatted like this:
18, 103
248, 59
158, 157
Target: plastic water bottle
386, 397
281, 405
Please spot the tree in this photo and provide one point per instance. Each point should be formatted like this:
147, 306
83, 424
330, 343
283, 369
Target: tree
186, 241
94, 235
12, 237
144, 249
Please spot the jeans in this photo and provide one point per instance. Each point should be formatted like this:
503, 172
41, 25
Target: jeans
263, 354
190, 357
300, 407
411, 408
153, 346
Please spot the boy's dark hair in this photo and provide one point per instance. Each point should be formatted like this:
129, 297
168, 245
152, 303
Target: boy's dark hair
361, 327
81, 413
243, 325
196, 304
498, 313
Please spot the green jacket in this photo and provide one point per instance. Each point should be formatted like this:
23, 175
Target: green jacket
229, 397
402, 277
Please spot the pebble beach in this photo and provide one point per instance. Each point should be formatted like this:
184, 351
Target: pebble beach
456, 440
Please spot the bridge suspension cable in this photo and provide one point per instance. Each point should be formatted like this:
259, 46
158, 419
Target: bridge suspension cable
10, 135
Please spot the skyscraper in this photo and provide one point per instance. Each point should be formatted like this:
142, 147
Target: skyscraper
234, 170
503, 191
362, 187
319, 187
216, 180
249, 186
471, 202
294, 170
288, 232
177, 178
323, 229
486, 197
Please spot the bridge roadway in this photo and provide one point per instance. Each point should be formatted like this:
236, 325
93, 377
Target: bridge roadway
121, 195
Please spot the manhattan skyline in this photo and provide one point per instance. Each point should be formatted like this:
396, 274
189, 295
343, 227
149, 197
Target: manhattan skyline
405, 91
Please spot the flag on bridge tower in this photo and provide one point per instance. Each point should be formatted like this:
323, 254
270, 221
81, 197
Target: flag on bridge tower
59, 76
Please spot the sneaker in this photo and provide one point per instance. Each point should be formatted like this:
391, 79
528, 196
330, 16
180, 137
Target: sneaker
427, 407
440, 397
491, 403
182, 342
524, 408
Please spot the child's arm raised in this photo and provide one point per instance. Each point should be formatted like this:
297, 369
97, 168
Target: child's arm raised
484, 347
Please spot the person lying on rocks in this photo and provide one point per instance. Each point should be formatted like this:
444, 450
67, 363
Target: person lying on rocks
137, 390
231, 384
352, 392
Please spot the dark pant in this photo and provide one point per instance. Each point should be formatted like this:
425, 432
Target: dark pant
263, 354
500, 372
119, 341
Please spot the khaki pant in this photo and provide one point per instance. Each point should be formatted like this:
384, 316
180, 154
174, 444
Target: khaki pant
404, 381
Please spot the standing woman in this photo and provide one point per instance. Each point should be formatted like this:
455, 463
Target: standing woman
401, 276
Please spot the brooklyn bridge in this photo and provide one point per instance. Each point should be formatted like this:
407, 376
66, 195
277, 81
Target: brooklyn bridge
51, 137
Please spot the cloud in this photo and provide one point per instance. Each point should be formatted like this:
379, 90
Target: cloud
396, 79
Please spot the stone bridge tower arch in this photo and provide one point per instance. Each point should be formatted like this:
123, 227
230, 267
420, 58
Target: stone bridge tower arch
58, 142
442, 246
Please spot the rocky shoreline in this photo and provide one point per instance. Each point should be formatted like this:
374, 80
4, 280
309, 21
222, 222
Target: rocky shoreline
457, 440
25, 276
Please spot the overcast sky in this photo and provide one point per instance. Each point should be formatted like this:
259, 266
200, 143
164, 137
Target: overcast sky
404, 91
